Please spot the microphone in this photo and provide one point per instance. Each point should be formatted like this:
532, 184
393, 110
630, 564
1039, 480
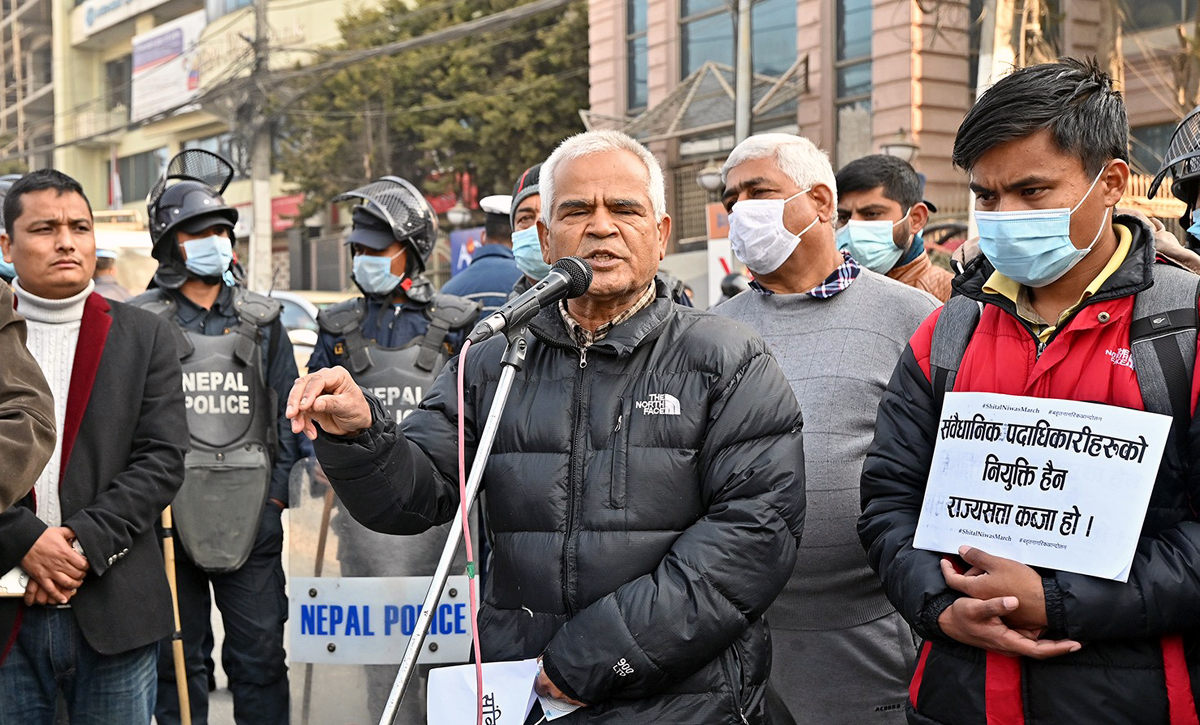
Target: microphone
569, 278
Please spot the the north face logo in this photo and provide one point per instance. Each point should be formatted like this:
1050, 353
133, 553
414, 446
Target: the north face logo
1120, 356
658, 404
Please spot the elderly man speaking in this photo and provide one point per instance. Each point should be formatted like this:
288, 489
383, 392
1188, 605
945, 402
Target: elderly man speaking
645, 491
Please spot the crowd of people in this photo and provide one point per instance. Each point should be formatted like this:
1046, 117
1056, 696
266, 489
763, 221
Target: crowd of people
691, 516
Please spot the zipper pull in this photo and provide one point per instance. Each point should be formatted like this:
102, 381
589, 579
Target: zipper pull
620, 418
582, 358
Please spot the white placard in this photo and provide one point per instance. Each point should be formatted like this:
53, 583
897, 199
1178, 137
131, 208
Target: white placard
1052, 483
507, 693
369, 620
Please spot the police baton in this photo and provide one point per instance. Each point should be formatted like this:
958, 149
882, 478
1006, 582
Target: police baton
181, 683
322, 536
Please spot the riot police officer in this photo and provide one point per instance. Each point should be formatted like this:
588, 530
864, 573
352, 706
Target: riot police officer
238, 366
1181, 161
394, 340
396, 337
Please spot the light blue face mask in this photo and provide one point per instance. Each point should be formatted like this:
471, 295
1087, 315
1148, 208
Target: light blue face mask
871, 243
1194, 229
374, 274
528, 252
210, 256
1033, 246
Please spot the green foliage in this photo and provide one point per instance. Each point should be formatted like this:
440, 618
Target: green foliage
492, 104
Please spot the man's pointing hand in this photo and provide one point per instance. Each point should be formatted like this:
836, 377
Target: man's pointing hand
331, 399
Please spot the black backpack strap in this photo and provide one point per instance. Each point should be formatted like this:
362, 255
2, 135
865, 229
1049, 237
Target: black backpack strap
1163, 344
161, 304
345, 320
446, 313
254, 311
951, 334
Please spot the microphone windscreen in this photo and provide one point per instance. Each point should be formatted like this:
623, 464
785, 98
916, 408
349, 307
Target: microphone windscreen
579, 272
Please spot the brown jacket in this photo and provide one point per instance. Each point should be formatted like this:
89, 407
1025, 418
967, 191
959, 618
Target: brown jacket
26, 408
924, 275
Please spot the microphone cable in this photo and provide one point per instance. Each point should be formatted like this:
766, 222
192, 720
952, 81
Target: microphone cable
472, 594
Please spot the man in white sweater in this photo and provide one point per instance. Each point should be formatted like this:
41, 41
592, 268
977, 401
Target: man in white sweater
841, 652
96, 602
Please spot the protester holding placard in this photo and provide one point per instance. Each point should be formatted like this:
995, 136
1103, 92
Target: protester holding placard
1066, 302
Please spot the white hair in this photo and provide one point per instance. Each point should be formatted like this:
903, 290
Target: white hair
796, 156
596, 142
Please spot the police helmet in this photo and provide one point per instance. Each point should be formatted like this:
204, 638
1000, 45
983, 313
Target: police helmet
392, 210
188, 198
1182, 163
6, 183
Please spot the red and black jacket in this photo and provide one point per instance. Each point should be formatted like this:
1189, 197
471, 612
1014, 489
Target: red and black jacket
1141, 653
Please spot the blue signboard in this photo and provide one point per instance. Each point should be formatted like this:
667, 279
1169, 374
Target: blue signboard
463, 243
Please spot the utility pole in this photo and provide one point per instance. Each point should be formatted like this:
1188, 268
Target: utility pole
996, 55
259, 263
743, 95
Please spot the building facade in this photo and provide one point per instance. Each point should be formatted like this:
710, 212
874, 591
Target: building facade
26, 82
109, 90
869, 73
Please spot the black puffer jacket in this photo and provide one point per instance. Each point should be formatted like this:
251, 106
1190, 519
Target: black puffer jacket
646, 500
1141, 639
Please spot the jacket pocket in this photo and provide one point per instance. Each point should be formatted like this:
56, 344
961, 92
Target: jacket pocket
620, 455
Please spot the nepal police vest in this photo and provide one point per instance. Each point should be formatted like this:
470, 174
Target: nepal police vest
398, 376
231, 414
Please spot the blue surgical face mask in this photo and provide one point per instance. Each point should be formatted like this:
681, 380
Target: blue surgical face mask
374, 274
210, 256
871, 243
528, 252
1033, 246
1194, 229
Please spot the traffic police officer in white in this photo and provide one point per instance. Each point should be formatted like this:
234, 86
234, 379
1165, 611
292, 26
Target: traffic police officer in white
238, 366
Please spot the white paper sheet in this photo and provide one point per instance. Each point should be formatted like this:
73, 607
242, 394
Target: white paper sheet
1052, 483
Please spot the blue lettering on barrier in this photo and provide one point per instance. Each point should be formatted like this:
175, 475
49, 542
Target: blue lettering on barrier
323, 619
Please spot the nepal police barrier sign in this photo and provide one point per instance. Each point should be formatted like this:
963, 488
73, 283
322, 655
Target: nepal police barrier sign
1052, 483
354, 595
368, 621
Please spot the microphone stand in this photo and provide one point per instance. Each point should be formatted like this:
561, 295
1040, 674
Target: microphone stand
514, 358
